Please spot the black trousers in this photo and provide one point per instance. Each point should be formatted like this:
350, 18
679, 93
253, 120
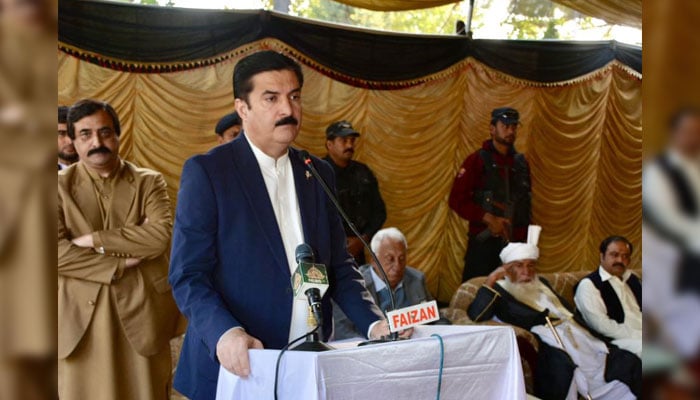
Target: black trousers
482, 257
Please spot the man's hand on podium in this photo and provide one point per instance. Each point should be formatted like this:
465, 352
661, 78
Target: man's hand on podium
232, 351
381, 329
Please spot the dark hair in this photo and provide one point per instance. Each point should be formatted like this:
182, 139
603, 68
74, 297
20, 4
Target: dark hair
87, 107
256, 63
679, 115
62, 114
615, 238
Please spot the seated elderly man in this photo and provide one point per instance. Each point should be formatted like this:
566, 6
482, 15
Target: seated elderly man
570, 359
408, 284
610, 298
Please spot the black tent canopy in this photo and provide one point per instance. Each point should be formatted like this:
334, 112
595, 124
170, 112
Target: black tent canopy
120, 36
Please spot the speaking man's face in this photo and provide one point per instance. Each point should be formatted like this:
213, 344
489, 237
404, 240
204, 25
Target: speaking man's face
272, 115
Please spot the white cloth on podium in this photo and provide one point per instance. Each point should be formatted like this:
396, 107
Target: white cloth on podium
480, 362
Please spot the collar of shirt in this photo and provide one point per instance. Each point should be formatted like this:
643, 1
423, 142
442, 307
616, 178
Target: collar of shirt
379, 283
279, 182
679, 160
605, 275
96, 177
268, 163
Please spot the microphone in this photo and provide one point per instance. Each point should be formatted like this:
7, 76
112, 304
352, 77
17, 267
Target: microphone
306, 159
310, 280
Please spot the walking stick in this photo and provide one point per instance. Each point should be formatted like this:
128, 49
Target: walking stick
561, 344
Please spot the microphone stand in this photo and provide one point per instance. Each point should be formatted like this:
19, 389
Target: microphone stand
304, 253
312, 342
306, 159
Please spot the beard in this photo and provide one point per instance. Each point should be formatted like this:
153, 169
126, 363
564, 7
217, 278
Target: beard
505, 141
524, 291
68, 157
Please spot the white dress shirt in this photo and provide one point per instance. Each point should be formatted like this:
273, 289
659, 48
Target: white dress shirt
628, 334
660, 196
279, 180
661, 256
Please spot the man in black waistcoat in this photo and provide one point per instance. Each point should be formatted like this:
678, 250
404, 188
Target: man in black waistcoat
610, 298
583, 362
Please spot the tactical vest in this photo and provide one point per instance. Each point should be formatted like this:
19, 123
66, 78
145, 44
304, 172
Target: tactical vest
613, 305
493, 196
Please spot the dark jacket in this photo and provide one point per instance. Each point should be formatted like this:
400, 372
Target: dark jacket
477, 185
555, 368
228, 265
358, 194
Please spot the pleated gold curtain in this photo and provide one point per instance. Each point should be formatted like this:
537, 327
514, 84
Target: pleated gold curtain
619, 12
583, 140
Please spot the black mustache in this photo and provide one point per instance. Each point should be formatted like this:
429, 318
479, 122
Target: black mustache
619, 265
351, 151
100, 149
290, 120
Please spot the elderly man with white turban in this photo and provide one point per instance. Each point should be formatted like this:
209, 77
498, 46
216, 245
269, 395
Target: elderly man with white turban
570, 361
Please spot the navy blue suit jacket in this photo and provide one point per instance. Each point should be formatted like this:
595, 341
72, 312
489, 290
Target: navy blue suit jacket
228, 266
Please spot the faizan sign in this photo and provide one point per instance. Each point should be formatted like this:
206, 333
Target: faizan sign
404, 318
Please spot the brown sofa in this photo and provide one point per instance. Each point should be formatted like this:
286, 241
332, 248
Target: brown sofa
562, 282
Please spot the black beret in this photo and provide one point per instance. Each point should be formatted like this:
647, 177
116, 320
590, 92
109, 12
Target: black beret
226, 122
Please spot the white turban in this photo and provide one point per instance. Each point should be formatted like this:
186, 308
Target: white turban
519, 251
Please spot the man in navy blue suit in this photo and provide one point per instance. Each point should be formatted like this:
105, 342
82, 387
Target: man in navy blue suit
242, 210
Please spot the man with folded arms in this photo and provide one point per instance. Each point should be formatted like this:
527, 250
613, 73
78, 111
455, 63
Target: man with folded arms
116, 313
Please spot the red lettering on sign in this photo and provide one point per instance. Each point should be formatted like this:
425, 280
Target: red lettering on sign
423, 314
431, 312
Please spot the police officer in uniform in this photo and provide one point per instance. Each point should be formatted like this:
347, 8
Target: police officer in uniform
492, 192
357, 188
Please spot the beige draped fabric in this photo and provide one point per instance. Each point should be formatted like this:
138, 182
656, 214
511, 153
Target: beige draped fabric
671, 60
583, 139
616, 12
396, 5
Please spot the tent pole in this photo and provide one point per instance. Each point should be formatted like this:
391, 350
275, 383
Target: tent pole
469, 21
